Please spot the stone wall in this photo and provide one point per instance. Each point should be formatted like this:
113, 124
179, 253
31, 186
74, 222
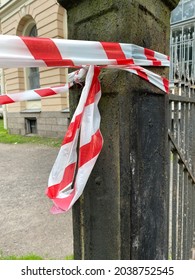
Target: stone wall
49, 124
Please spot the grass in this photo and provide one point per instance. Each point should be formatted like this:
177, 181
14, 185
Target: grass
28, 257
25, 257
71, 257
7, 138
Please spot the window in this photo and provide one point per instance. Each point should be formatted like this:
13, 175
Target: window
184, 11
183, 41
32, 73
182, 56
31, 125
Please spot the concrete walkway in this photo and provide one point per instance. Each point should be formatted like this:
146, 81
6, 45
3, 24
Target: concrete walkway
26, 225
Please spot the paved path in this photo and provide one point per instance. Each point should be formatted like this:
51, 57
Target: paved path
26, 225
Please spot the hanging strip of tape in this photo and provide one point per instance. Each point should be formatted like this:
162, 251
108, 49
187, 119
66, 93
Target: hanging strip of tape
83, 141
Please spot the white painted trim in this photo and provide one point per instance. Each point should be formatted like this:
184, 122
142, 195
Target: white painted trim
13, 8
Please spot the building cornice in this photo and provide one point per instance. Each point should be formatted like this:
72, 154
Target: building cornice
5, 4
10, 8
67, 4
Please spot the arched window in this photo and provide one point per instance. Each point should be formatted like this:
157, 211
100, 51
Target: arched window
33, 73
32, 77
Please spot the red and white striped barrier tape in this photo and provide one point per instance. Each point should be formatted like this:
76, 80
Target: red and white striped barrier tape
86, 124
83, 140
32, 94
77, 77
41, 52
35, 94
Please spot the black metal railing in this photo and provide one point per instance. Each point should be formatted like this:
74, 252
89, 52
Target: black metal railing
182, 173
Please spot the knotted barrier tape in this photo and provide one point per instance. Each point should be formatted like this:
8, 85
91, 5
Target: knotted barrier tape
83, 141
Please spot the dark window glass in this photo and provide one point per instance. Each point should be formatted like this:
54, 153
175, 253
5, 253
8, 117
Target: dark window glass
33, 77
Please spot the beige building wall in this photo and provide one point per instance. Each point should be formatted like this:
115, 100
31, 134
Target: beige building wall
17, 18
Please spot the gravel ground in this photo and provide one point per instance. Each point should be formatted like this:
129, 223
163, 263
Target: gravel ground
26, 225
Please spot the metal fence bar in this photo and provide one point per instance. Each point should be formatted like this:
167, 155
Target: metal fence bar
190, 221
170, 234
188, 158
182, 141
180, 213
184, 99
174, 207
175, 182
193, 245
191, 145
185, 216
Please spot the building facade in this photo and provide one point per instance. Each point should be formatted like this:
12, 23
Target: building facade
183, 43
49, 116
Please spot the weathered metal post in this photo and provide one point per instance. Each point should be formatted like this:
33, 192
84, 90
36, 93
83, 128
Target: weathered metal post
123, 212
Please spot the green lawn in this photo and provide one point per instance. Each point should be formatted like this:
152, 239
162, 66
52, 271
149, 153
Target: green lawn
28, 257
7, 138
